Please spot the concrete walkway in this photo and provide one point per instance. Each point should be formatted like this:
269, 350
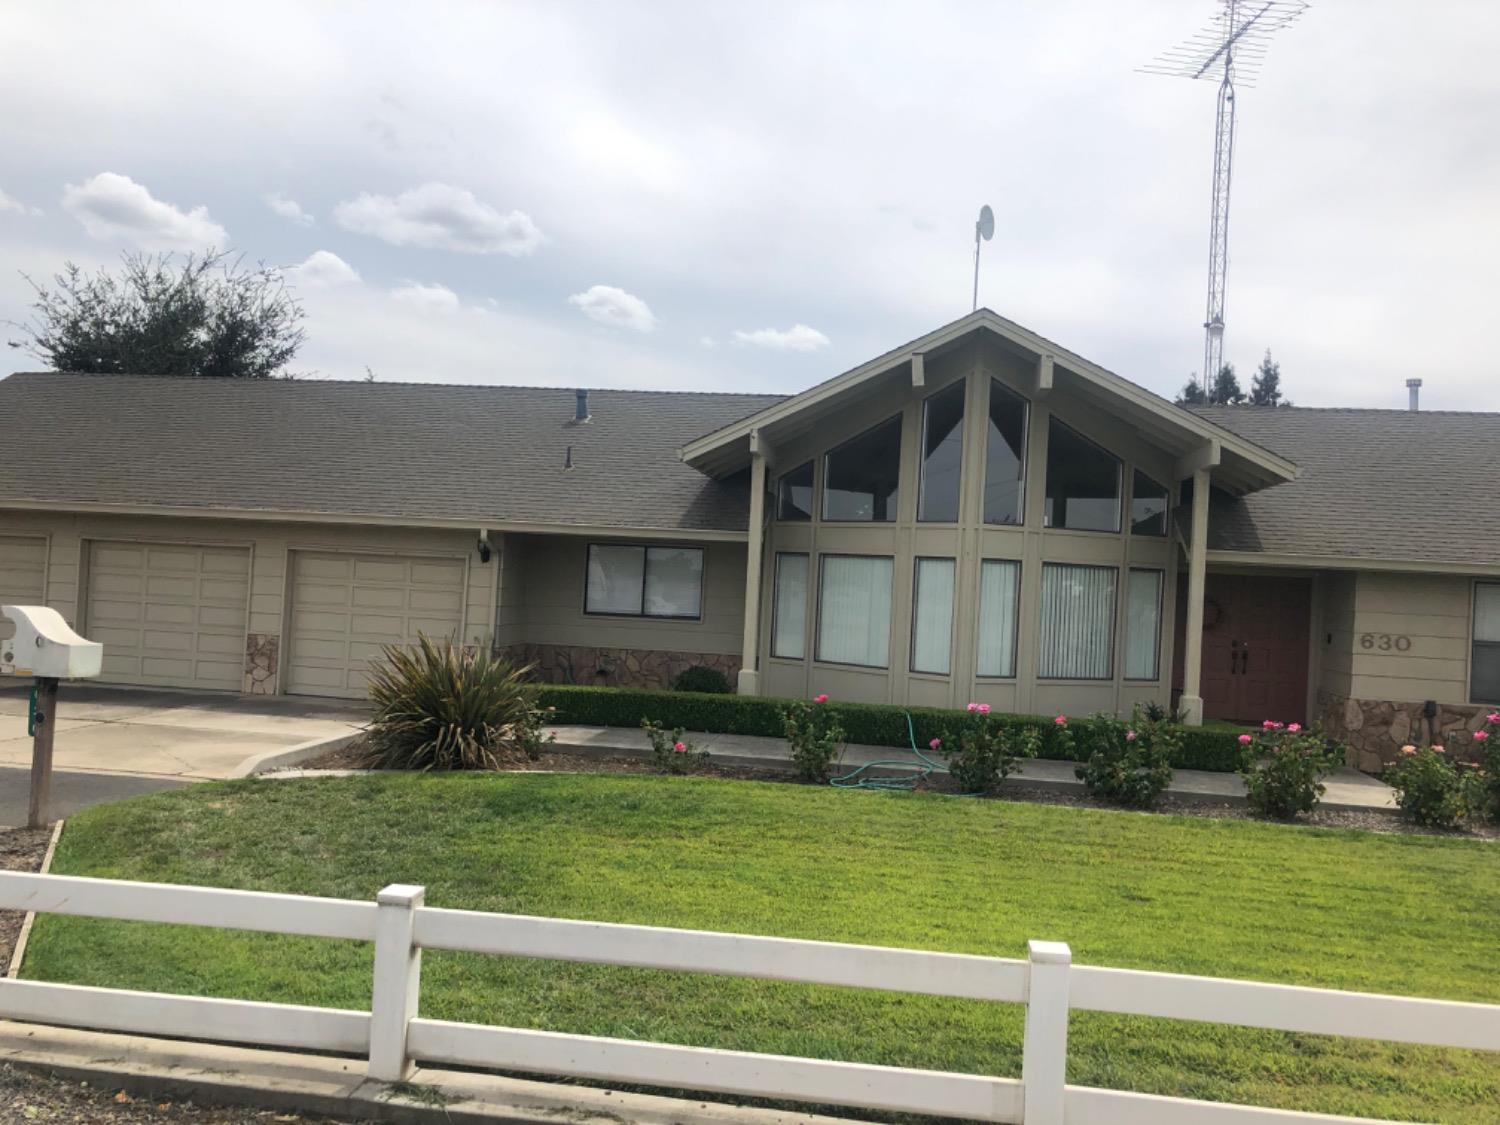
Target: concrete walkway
1348, 789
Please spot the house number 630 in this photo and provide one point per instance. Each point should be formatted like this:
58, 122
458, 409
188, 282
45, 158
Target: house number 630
1385, 642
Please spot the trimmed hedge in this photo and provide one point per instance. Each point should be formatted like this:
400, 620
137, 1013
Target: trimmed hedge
874, 724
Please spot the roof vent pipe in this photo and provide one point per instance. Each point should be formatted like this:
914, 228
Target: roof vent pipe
1413, 387
581, 410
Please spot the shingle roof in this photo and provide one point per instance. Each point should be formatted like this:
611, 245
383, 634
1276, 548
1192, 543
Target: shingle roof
482, 454
1395, 485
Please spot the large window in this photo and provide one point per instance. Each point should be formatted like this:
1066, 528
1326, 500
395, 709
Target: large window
632, 581
794, 494
1148, 506
1078, 619
854, 610
1083, 482
932, 616
999, 595
860, 477
789, 611
1005, 456
1143, 625
1484, 670
942, 455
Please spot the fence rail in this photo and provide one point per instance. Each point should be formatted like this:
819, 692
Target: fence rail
394, 1037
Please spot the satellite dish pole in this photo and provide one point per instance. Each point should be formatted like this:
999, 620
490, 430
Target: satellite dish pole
984, 228
1230, 49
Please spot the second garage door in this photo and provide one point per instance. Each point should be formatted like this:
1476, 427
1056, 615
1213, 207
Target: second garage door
346, 608
23, 575
169, 615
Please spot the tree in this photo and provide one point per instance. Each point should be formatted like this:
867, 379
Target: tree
1265, 388
208, 316
1192, 393
1225, 390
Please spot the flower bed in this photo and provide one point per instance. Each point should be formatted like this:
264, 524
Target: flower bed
871, 724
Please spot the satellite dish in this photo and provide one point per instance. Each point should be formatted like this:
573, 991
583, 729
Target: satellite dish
986, 225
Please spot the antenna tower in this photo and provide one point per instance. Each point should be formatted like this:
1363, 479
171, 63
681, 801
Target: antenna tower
1231, 49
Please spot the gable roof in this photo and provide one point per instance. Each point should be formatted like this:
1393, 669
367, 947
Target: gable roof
1243, 465
422, 454
1390, 485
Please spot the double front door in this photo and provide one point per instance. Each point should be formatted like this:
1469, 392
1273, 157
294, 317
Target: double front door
1255, 647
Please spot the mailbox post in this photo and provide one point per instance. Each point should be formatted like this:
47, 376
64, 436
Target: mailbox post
45, 649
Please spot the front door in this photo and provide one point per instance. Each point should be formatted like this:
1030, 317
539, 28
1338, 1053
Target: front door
1255, 638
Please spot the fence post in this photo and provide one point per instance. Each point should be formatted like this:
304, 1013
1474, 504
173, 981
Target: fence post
1044, 1060
398, 979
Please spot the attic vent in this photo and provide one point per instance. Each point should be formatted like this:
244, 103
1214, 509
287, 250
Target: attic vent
581, 407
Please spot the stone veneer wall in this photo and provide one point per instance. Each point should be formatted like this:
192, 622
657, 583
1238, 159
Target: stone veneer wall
616, 667
262, 654
1375, 730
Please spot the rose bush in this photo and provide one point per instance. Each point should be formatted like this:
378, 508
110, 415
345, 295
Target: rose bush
813, 733
982, 753
672, 753
1285, 776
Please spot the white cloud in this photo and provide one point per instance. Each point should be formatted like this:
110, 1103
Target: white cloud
324, 268
15, 206
288, 209
440, 217
614, 307
114, 206
428, 298
707, 342
797, 338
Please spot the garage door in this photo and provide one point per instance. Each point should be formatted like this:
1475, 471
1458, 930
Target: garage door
346, 608
23, 575
169, 615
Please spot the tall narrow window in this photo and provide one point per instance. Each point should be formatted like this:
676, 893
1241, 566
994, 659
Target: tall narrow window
1484, 669
854, 610
999, 594
1148, 506
860, 477
794, 494
942, 455
1083, 482
932, 616
789, 612
1005, 456
1078, 618
1143, 625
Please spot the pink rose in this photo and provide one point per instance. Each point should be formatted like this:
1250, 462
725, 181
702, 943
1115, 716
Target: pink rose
1481, 735
1408, 749
1439, 750
820, 699
935, 744
983, 708
1493, 718
1293, 728
1061, 721
1130, 736
972, 707
552, 733
1244, 740
1269, 724
680, 747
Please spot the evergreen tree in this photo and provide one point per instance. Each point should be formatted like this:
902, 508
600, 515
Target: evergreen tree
1265, 388
1192, 394
1225, 389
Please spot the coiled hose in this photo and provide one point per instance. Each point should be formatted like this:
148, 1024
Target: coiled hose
861, 778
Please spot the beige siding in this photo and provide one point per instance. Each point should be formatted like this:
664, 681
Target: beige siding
510, 621
553, 582
1425, 620
1337, 639
23, 574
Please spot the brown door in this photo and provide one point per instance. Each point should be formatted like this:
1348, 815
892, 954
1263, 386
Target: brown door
1255, 637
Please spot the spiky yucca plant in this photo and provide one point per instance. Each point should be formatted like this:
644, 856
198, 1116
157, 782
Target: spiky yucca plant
439, 707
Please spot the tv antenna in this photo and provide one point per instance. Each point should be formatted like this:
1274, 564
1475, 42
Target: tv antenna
1230, 49
984, 228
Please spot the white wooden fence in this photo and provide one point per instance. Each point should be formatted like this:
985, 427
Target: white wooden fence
393, 1036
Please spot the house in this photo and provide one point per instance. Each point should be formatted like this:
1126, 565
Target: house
976, 515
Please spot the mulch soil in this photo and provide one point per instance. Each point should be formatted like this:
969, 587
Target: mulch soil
21, 849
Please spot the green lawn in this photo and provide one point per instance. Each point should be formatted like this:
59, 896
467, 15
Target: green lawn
1414, 915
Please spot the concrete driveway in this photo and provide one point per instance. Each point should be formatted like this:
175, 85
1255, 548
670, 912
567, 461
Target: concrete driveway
116, 742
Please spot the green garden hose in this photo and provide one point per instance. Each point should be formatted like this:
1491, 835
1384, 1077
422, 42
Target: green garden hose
859, 778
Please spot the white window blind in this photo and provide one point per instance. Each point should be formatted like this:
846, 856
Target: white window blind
999, 592
854, 610
1078, 613
789, 619
1143, 624
1484, 668
932, 616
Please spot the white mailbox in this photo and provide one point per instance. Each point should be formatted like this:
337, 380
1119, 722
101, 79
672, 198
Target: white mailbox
44, 646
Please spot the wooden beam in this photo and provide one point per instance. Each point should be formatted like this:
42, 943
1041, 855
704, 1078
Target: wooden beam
918, 370
1205, 456
1044, 365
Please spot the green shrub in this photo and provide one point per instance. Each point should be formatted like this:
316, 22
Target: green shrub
1128, 764
702, 678
982, 752
1285, 775
1428, 787
440, 707
870, 724
673, 753
814, 735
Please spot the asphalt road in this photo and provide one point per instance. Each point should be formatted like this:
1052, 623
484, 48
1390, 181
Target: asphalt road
72, 791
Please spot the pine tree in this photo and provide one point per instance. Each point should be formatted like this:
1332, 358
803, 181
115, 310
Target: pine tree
1225, 390
1265, 388
1192, 394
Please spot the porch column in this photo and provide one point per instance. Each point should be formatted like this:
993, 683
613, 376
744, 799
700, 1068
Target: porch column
1192, 657
749, 678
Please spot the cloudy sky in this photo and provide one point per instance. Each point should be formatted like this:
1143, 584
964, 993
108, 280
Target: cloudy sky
758, 196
